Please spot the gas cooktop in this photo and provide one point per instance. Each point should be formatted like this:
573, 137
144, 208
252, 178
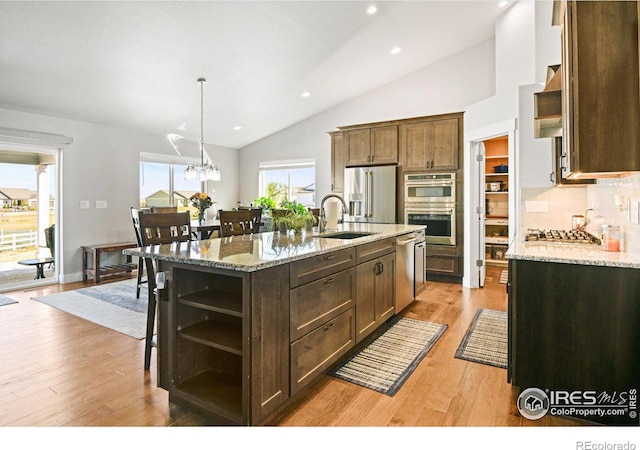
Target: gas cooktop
562, 236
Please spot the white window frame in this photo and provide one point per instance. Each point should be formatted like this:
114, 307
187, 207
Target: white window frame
284, 165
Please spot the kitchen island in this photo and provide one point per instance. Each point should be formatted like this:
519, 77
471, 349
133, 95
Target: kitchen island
246, 323
574, 311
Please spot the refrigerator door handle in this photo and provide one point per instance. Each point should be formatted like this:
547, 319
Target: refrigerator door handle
370, 195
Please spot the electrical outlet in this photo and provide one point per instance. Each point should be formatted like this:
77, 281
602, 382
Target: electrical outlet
634, 212
101, 204
85, 204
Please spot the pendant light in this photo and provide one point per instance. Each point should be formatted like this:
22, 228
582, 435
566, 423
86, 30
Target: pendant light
204, 171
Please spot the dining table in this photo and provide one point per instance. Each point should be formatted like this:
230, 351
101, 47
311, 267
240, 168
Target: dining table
204, 230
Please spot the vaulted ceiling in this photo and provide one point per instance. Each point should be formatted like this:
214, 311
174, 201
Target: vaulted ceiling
135, 64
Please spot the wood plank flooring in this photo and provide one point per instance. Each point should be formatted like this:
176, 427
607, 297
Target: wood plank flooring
60, 370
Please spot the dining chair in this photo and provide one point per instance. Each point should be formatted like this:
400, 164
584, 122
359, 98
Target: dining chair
256, 216
164, 209
234, 223
135, 218
156, 229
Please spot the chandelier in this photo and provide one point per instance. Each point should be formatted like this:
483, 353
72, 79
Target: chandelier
204, 171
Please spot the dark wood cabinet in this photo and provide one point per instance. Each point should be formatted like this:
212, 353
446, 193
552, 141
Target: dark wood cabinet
558, 161
600, 89
237, 346
573, 327
315, 352
375, 294
371, 146
338, 161
212, 343
429, 145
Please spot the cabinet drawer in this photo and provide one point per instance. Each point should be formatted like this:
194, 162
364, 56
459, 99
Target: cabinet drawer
442, 264
314, 268
317, 302
373, 250
314, 353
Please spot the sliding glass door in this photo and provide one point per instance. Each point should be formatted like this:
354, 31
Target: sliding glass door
28, 198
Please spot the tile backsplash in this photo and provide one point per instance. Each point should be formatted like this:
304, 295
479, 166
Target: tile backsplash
563, 202
603, 196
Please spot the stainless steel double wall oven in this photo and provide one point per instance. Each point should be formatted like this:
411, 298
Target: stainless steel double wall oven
430, 199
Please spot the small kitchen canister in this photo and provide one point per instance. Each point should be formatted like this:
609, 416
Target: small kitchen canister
611, 238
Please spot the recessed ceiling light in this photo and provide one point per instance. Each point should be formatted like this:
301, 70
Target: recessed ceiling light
372, 10
502, 4
395, 50
237, 128
305, 94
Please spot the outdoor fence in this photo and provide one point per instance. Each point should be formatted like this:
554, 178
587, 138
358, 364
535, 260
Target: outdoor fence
14, 241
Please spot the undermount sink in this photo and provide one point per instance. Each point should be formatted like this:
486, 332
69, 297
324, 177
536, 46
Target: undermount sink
345, 235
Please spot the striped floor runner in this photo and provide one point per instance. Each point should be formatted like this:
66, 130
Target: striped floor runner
386, 363
504, 277
485, 341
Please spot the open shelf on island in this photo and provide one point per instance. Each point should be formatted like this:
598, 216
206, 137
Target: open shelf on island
218, 301
216, 334
219, 392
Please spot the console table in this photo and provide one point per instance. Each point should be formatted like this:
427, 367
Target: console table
93, 252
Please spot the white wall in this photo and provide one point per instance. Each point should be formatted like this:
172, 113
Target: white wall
446, 86
103, 164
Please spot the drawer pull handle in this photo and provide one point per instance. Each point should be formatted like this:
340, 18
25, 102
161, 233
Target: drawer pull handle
326, 327
327, 258
329, 280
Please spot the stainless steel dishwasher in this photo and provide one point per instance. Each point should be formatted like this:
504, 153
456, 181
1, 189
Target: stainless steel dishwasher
405, 270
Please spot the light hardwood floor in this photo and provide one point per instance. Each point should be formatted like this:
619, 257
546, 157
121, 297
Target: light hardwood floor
59, 370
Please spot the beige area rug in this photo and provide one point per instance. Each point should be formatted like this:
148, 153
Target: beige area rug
112, 305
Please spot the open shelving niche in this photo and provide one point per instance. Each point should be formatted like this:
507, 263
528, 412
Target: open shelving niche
496, 202
208, 361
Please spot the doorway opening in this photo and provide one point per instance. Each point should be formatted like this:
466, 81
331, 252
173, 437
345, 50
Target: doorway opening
28, 217
491, 185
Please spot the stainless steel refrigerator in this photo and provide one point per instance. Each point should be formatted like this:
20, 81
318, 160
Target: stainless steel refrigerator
370, 193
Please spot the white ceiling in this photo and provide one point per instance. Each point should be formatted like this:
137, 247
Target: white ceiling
135, 64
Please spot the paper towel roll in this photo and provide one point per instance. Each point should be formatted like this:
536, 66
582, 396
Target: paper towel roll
332, 215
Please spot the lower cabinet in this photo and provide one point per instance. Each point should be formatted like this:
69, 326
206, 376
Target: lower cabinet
313, 353
216, 357
573, 327
236, 346
375, 294
321, 325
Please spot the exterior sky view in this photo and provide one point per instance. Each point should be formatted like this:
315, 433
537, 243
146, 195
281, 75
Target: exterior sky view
24, 176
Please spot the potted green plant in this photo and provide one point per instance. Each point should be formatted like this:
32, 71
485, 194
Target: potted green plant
266, 203
294, 216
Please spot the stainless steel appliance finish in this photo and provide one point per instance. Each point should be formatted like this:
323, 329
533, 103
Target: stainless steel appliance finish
429, 188
405, 270
440, 220
420, 272
370, 193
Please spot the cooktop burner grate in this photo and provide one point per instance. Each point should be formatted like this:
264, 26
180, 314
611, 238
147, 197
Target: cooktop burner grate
562, 236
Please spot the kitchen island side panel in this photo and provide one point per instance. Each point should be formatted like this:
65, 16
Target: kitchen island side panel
574, 327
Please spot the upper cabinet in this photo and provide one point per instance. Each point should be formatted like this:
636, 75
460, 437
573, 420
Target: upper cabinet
338, 161
371, 146
430, 145
600, 89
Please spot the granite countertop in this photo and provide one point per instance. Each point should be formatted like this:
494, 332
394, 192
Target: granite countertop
252, 252
591, 255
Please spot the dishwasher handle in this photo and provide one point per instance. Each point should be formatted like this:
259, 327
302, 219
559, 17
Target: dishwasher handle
406, 241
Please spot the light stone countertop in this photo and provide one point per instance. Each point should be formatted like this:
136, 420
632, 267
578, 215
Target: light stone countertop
591, 255
249, 253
